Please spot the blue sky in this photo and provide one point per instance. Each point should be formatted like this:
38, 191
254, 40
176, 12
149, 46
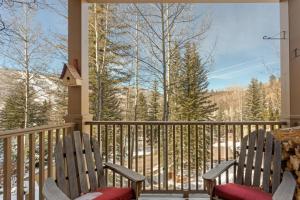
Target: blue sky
240, 53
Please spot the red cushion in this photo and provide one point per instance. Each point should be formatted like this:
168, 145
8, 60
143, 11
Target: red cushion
233, 191
112, 193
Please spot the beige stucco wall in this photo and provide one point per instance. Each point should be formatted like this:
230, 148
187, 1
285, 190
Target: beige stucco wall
290, 64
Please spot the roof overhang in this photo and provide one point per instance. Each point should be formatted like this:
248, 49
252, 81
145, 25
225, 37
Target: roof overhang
184, 1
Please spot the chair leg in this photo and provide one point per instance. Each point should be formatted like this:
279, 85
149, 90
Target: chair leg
137, 188
210, 185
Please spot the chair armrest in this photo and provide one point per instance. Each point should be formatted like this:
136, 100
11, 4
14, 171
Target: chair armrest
52, 192
131, 175
286, 189
218, 170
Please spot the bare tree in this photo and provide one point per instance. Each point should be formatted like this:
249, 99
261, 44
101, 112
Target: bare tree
160, 26
12, 4
25, 50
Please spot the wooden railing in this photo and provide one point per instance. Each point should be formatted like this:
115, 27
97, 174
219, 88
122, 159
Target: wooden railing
34, 145
172, 155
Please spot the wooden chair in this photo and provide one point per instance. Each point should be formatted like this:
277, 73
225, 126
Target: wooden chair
73, 179
258, 173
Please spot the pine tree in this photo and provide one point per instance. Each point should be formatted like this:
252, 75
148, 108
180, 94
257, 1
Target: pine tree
175, 65
254, 106
12, 115
107, 61
142, 108
111, 103
194, 99
154, 105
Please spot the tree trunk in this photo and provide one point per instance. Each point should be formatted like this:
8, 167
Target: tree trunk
165, 107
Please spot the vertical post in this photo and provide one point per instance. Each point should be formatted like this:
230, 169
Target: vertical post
290, 61
78, 101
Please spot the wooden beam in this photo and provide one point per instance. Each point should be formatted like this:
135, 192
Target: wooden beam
185, 1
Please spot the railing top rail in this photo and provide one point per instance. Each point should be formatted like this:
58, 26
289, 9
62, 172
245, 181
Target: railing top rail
17, 132
185, 123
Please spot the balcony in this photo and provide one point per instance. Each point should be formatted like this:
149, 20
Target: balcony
191, 148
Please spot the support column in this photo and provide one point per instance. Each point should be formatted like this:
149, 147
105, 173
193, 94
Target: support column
78, 97
290, 61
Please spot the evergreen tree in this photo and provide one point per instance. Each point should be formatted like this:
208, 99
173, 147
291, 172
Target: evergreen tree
175, 65
154, 105
254, 106
194, 99
111, 103
142, 108
107, 61
12, 115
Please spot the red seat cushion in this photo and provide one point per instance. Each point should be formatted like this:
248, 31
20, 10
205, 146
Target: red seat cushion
233, 191
112, 193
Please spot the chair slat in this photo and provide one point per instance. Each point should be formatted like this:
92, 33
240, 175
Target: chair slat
276, 166
80, 162
60, 168
99, 164
267, 162
71, 168
259, 157
250, 158
240, 172
90, 162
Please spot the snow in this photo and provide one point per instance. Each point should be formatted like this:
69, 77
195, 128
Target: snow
26, 191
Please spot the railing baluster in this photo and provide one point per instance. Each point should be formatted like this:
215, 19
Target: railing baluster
204, 148
226, 150
181, 156
166, 155
106, 151
189, 157
136, 148
211, 146
7, 171
114, 153
242, 133
249, 129
57, 136
121, 153
158, 143
144, 152
41, 163
99, 134
129, 150
20, 168
174, 156
234, 152
197, 157
219, 148
50, 153
151, 146
32, 166
91, 130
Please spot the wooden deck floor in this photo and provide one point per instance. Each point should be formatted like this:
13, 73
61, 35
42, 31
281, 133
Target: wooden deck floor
173, 197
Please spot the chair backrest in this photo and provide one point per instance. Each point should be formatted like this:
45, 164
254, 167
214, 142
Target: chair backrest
260, 161
78, 163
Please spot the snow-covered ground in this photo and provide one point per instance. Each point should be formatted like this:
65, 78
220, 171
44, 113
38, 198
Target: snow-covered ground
26, 190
